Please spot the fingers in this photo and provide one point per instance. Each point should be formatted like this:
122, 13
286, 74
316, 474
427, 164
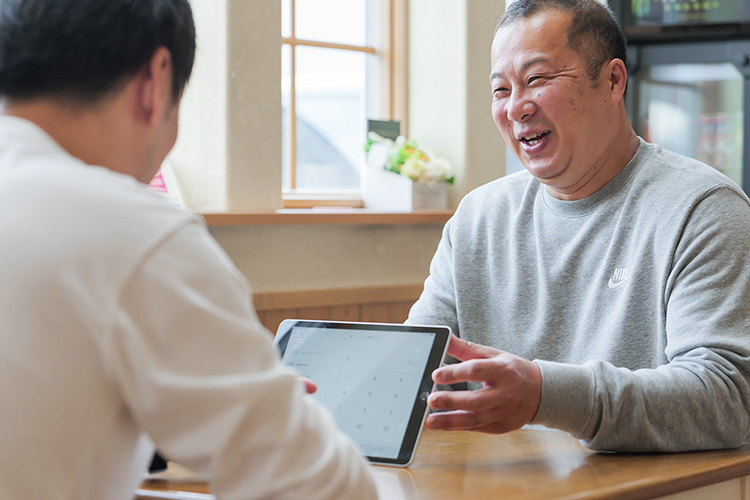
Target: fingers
470, 421
455, 420
467, 371
475, 370
463, 350
479, 400
509, 398
483, 410
309, 385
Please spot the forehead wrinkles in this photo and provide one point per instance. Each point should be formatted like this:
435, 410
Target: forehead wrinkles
509, 54
517, 58
547, 30
526, 42
515, 43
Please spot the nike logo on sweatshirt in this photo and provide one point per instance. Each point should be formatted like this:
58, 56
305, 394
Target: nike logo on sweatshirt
619, 277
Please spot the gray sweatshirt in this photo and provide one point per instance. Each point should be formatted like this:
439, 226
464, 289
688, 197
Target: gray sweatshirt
635, 301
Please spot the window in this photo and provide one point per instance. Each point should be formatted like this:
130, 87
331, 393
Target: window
343, 61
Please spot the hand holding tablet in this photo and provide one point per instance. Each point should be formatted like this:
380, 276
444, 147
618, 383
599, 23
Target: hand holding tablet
374, 377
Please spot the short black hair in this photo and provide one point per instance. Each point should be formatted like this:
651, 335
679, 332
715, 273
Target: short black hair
594, 31
85, 50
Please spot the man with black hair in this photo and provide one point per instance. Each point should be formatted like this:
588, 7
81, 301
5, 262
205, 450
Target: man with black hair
619, 267
122, 322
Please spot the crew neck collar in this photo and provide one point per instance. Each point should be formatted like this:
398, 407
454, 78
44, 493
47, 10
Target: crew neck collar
585, 206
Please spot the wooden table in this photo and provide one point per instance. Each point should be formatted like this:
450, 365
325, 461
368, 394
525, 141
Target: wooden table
539, 464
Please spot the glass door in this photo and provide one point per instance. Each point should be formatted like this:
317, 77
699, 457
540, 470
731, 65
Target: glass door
695, 110
695, 102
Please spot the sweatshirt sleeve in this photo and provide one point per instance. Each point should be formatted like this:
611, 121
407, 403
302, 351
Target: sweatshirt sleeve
200, 375
437, 303
700, 398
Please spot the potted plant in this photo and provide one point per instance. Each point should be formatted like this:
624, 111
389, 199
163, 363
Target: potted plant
402, 176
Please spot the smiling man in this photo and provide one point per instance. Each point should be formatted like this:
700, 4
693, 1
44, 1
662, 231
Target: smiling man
566, 122
618, 267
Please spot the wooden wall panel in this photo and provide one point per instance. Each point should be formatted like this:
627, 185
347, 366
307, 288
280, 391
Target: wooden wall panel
376, 304
378, 313
349, 312
272, 319
399, 311
321, 313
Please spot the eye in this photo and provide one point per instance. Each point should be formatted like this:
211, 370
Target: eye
499, 92
535, 78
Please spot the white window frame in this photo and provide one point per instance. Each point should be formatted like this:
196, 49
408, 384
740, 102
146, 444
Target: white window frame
393, 57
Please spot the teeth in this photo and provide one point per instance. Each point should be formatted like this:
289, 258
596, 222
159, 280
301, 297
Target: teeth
533, 140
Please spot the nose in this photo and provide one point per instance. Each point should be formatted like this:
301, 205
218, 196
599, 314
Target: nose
520, 106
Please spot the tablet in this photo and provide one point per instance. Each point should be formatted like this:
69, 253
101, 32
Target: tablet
374, 377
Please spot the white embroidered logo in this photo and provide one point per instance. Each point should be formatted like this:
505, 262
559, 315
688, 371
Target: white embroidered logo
619, 277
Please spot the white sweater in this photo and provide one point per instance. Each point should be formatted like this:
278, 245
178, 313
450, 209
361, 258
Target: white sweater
122, 322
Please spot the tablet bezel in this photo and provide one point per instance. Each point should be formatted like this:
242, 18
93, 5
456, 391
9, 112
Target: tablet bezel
419, 408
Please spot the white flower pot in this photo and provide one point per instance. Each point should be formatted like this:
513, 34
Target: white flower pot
390, 192
429, 196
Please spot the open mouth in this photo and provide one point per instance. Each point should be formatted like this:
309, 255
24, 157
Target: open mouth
533, 140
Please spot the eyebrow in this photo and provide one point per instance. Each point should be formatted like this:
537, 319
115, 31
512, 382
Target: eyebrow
526, 65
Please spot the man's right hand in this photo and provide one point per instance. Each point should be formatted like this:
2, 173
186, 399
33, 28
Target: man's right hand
508, 400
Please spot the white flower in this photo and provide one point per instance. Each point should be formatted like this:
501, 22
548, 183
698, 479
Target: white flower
406, 158
436, 170
413, 167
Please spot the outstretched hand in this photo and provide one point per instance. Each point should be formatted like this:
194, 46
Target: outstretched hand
508, 400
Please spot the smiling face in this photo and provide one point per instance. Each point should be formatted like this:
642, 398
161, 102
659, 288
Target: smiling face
570, 132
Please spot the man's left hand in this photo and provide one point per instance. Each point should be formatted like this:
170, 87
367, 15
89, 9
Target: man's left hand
508, 400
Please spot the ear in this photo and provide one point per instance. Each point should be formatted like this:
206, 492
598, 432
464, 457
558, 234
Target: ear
155, 89
617, 78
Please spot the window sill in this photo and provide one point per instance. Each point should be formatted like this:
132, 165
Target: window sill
352, 216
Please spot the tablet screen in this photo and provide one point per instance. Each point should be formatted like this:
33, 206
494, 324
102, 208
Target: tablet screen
375, 378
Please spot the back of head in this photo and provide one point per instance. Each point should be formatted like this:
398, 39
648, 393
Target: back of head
594, 32
86, 50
